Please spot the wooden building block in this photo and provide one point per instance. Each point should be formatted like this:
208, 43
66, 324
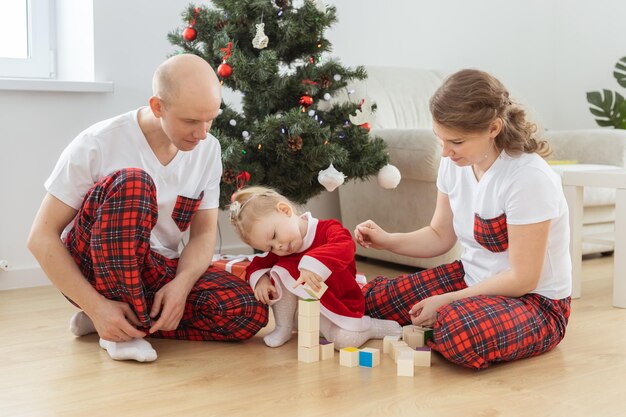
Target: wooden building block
421, 356
387, 343
369, 357
309, 354
308, 339
407, 330
327, 349
309, 308
404, 364
427, 331
414, 339
308, 323
394, 348
316, 294
404, 349
349, 357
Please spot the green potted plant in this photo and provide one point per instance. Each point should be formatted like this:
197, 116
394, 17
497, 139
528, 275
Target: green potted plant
608, 107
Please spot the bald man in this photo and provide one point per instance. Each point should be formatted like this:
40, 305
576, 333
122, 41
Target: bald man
120, 197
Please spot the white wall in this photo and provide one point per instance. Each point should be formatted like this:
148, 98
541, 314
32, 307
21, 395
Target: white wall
548, 52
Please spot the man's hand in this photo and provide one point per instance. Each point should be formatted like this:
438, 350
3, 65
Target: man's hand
169, 301
115, 321
310, 278
265, 291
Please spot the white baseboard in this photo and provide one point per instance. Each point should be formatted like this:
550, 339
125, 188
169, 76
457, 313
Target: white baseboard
23, 278
34, 276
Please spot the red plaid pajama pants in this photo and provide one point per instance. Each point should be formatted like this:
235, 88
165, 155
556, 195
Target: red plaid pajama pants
110, 243
474, 332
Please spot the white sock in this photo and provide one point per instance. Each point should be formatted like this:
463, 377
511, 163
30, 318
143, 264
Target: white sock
284, 312
139, 350
81, 324
343, 338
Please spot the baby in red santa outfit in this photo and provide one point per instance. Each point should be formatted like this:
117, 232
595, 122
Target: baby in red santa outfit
300, 249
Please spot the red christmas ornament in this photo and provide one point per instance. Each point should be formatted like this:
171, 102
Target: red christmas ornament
224, 70
306, 101
189, 34
365, 126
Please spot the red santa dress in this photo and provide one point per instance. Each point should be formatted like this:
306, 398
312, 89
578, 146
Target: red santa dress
328, 250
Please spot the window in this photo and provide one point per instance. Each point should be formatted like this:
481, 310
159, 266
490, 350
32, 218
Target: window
26, 47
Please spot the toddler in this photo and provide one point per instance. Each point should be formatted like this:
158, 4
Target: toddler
300, 249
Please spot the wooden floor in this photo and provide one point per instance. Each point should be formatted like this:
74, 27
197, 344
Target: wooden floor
45, 371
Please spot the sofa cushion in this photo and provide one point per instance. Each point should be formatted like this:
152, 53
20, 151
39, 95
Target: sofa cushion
592, 196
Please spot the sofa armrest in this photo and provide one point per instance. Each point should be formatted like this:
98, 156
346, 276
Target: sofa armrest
415, 152
592, 146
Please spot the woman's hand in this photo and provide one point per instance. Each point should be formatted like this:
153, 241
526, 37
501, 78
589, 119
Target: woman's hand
424, 313
265, 291
370, 235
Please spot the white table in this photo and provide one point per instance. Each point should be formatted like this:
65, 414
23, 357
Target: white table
573, 184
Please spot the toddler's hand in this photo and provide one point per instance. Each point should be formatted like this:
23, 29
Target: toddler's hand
311, 278
265, 291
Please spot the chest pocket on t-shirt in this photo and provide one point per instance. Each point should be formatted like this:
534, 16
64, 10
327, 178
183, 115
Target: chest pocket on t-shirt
184, 210
491, 234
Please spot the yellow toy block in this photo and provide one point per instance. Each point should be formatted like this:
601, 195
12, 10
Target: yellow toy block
309, 308
309, 354
349, 357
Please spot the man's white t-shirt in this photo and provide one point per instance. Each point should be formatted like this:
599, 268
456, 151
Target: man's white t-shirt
118, 143
527, 191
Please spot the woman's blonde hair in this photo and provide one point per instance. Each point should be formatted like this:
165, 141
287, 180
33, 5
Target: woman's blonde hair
250, 204
470, 100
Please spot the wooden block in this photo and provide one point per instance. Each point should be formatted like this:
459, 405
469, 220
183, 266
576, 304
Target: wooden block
308, 339
407, 330
309, 354
327, 349
394, 348
309, 308
404, 349
427, 331
308, 323
421, 356
405, 365
369, 357
349, 357
415, 339
387, 343
316, 294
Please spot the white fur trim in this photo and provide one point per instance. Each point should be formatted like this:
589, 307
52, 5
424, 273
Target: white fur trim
348, 323
313, 265
307, 241
256, 275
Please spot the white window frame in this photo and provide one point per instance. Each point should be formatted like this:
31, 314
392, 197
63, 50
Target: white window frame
40, 62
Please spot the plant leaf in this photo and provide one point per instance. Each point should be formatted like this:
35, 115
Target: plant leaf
620, 72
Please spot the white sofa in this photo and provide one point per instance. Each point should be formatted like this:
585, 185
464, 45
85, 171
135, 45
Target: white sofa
403, 121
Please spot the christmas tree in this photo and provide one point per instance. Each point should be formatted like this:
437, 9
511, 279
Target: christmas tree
290, 127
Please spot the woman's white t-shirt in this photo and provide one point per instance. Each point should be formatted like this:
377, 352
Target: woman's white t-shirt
527, 191
118, 143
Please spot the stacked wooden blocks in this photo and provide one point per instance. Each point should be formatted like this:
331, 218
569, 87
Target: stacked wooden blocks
310, 347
